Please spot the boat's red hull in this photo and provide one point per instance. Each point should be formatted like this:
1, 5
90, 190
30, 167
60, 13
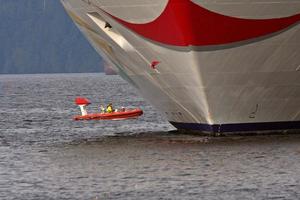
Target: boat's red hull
111, 116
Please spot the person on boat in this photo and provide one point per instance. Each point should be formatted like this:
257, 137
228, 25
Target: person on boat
109, 108
102, 109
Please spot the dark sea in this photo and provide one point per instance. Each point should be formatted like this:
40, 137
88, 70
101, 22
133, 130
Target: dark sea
44, 154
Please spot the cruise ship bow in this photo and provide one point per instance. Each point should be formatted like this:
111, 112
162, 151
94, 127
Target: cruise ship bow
211, 66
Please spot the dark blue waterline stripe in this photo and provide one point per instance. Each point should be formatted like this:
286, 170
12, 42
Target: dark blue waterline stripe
261, 126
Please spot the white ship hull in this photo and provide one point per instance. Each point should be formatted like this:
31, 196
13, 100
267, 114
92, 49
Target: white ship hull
224, 81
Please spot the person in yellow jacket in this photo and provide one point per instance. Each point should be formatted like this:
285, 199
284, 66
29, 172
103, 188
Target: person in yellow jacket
109, 108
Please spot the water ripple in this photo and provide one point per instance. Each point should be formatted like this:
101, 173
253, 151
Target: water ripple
44, 154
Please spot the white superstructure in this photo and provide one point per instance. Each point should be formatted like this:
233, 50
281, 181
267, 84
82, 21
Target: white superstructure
247, 81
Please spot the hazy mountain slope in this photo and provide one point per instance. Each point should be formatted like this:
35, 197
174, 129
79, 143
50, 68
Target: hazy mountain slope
38, 39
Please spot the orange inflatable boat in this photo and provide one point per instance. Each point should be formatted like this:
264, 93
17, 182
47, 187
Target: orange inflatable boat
116, 115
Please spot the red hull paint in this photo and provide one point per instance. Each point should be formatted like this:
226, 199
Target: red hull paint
111, 116
190, 24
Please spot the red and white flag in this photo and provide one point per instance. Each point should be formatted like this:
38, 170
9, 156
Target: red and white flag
154, 64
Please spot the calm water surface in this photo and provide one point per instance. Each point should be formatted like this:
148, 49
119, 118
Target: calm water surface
44, 154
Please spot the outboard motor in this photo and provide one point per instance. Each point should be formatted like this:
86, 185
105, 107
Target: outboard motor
82, 103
